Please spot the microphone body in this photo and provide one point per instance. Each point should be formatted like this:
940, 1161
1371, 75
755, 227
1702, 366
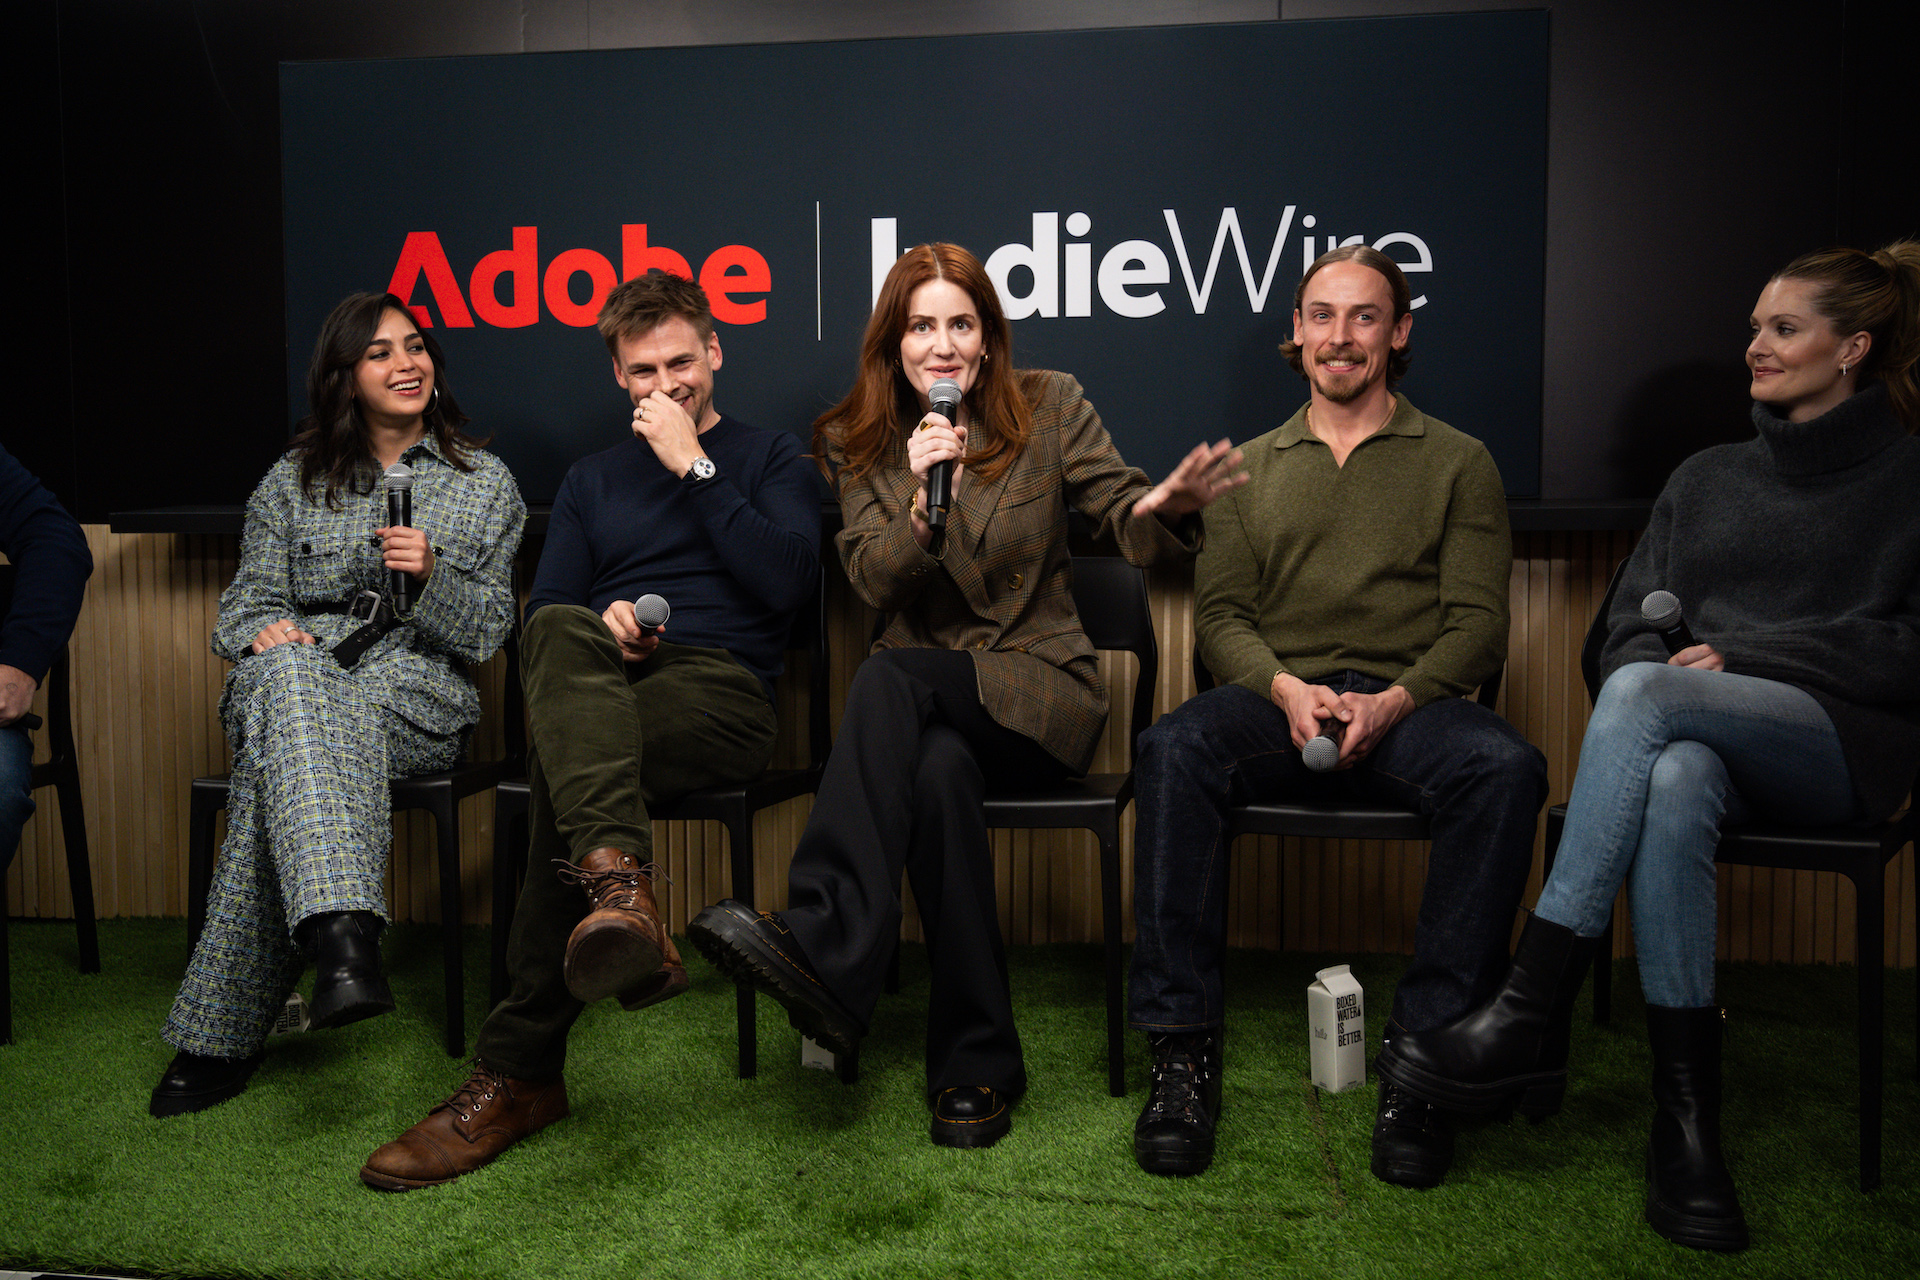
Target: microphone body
399, 478
1661, 611
1322, 751
651, 613
944, 399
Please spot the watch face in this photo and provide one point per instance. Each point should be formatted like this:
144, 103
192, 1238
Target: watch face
702, 469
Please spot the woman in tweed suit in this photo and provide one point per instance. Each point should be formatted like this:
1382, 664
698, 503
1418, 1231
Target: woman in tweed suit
308, 826
981, 677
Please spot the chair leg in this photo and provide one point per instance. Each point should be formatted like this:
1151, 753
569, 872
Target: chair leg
1112, 946
6, 969
446, 814
204, 803
509, 861
1869, 884
740, 849
73, 830
1603, 976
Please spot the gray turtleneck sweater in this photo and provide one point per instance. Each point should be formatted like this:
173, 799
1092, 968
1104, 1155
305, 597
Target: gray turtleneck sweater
1797, 556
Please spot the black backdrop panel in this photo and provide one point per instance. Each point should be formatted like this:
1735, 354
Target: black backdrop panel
1146, 198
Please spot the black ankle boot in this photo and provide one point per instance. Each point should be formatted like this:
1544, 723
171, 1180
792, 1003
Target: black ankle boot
1174, 1134
1690, 1196
1512, 1049
194, 1082
347, 983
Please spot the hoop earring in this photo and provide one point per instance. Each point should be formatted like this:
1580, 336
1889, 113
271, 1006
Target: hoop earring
434, 403
1844, 366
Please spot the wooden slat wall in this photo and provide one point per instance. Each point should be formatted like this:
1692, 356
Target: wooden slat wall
147, 688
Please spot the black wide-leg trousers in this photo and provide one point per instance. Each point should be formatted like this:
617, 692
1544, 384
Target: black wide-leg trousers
902, 792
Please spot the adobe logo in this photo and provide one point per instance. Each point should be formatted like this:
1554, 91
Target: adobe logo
730, 270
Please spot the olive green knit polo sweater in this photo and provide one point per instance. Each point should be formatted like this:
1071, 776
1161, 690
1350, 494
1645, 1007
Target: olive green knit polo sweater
1394, 565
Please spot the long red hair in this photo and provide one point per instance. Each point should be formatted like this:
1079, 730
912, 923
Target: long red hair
882, 398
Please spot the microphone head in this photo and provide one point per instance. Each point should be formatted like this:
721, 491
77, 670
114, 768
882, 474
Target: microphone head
650, 611
398, 476
944, 396
1660, 610
1320, 754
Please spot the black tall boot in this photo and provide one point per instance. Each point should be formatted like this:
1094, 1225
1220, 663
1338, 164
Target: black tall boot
347, 982
1690, 1196
1512, 1049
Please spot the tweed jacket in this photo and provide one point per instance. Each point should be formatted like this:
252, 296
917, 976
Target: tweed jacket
1002, 587
300, 558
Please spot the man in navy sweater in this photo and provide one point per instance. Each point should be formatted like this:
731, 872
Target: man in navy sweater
721, 520
40, 598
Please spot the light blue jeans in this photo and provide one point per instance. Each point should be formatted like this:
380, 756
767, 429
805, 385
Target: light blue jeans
1669, 754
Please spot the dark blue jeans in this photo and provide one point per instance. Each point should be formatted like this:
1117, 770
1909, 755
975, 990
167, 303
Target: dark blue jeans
16, 794
1467, 769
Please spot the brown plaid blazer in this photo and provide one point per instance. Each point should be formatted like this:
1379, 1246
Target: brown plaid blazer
1001, 588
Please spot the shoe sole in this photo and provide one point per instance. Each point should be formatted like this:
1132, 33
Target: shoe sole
971, 1135
730, 938
1417, 1177
669, 982
160, 1106
609, 961
1172, 1164
1722, 1235
350, 1002
387, 1182
1535, 1096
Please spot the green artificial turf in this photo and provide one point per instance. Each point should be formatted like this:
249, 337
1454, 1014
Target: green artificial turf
670, 1166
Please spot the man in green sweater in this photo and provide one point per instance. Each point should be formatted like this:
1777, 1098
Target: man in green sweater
1355, 588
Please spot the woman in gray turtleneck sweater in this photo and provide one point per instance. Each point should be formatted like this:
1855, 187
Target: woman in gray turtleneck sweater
1797, 698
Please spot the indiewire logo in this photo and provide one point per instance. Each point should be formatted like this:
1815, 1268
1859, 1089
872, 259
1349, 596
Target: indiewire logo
1132, 273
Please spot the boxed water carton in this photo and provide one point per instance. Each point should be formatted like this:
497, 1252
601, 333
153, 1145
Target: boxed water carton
1337, 1026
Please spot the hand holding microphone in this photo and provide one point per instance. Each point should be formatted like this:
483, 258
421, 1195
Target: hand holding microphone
1322, 751
943, 398
636, 626
1661, 611
404, 549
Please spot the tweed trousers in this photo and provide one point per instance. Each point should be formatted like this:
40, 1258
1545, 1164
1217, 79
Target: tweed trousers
309, 830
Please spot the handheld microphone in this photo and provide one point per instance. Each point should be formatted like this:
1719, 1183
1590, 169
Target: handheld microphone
1661, 611
1322, 751
399, 478
651, 613
943, 398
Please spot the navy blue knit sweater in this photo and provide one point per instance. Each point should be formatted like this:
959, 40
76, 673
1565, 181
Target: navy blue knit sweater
51, 565
733, 557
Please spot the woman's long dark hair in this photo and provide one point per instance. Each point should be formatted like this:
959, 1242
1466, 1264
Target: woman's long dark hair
333, 443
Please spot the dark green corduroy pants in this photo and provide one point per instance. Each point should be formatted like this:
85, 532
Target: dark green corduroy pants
608, 739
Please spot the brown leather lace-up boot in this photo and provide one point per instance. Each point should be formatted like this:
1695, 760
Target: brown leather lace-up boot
483, 1117
618, 948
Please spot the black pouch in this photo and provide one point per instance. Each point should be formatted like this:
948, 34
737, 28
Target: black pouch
376, 618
